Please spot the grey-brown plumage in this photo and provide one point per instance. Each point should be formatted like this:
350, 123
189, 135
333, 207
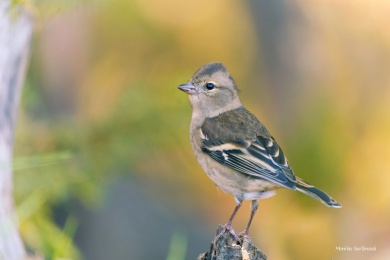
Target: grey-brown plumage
235, 125
233, 147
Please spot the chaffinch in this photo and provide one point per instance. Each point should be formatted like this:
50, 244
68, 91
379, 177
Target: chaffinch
234, 148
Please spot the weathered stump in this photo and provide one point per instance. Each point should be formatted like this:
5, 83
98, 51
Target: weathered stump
227, 248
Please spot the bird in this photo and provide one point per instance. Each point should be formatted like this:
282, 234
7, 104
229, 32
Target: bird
234, 148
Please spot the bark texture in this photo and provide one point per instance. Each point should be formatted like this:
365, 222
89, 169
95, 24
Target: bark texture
15, 34
227, 248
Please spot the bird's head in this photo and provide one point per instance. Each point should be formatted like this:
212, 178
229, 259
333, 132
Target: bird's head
212, 90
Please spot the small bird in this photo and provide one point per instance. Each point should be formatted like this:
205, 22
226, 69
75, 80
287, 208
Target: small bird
234, 148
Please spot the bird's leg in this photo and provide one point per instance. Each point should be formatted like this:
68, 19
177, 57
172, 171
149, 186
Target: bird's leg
254, 207
228, 225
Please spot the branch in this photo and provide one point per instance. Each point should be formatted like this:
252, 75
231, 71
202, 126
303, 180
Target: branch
15, 33
227, 248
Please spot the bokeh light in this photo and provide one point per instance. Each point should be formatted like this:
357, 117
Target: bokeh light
103, 164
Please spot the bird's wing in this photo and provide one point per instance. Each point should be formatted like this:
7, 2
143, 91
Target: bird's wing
240, 141
259, 158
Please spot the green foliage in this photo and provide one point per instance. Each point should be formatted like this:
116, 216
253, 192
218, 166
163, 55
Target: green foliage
178, 246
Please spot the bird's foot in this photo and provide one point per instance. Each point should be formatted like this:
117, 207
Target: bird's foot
243, 233
227, 227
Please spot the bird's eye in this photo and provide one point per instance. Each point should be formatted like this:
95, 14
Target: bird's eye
210, 86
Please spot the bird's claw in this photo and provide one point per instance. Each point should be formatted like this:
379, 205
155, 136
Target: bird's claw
227, 227
243, 233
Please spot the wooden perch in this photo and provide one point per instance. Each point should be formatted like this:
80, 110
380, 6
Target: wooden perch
227, 248
15, 34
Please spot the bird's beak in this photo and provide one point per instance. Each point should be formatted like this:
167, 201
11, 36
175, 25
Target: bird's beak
188, 88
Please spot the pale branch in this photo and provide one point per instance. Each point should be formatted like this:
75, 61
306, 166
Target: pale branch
15, 34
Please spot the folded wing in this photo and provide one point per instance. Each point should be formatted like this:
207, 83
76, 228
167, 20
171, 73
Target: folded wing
259, 158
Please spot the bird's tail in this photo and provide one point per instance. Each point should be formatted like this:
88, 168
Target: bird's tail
318, 194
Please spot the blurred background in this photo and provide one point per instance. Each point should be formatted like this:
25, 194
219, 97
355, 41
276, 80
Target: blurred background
103, 165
